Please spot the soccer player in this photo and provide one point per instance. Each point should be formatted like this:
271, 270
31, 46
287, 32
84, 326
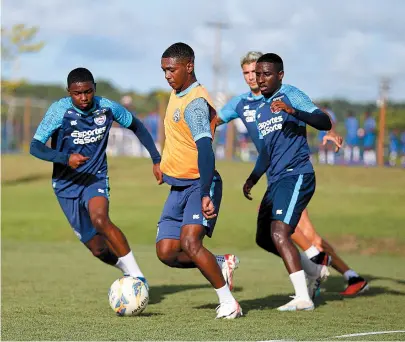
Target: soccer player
394, 147
351, 150
281, 120
402, 138
79, 126
326, 154
245, 106
369, 155
188, 165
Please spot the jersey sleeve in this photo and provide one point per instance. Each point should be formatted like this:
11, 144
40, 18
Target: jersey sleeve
197, 117
121, 114
51, 121
228, 112
301, 101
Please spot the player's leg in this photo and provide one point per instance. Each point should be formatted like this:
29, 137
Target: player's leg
290, 196
95, 200
195, 228
312, 267
99, 248
356, 284
183, 206
79, 220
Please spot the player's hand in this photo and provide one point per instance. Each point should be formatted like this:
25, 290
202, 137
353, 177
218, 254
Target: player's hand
247, 188
208, 208
76, 159
157, 173
278, 106
335, 138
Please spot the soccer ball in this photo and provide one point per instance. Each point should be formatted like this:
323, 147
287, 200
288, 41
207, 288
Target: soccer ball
128, 296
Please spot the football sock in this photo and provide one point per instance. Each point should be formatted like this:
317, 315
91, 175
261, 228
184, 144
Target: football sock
311, 252
350, 274
331, 157
225, 295
300, 284
127, 264
309, 266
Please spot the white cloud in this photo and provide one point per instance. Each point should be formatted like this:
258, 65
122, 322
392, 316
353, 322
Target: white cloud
329, 48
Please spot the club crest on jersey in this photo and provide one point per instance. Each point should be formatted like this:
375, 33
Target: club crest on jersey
176, 115
100, 119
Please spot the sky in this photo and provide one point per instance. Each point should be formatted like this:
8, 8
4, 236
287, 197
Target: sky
330, 48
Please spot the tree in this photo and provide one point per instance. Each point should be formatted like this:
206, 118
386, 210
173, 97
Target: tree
16, 41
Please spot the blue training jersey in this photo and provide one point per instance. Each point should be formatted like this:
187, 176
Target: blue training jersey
244, 106
284, 136
352, 126
74, 131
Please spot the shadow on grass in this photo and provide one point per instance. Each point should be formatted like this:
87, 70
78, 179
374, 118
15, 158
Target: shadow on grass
26, 179
334, 285
158, 293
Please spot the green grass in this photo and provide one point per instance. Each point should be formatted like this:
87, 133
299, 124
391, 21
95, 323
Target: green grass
52, 289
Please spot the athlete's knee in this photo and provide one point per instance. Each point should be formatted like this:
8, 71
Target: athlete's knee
166, 255
100, 221
190, 245
280, 232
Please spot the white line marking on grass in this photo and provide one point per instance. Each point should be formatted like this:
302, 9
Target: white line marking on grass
371, 333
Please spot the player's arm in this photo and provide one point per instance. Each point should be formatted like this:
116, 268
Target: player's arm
197, 117
228, 112
126, 119
304, 110
49, 124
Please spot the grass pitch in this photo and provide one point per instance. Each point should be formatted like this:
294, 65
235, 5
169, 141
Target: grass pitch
53, 289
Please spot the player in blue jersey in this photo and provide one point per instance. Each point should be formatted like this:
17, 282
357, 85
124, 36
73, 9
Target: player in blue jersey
79, 126
352, 150
394, 147
369, 139
402, 138
281, 121
245, 106
326, 153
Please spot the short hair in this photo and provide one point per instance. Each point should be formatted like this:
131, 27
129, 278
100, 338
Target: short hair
250, 57
272, 58
180, 51
79, 75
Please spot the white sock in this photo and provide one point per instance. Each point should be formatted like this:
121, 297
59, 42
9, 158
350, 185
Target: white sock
373, 157
350, 274
220, 259
309, 266
322, 157
127, 264
331, 157
225, 295
311, 252
356, 154
300, 284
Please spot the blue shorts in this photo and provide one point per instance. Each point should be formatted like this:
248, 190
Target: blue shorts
76, 209
183, 206
286, 199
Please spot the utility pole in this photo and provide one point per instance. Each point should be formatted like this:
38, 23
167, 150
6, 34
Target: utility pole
219, 83
218, 26
384, 87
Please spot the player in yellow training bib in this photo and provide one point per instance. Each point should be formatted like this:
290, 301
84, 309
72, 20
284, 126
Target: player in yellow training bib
188, 166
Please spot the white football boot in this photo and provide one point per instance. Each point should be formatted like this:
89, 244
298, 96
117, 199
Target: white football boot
297, 304
229, 310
